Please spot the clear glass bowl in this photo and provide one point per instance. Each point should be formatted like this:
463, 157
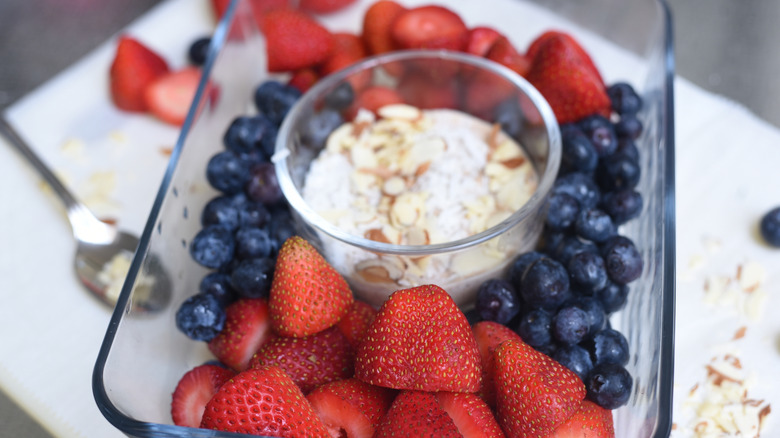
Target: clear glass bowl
143, 355
377, 267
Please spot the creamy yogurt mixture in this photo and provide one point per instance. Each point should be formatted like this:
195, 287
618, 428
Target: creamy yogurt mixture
415, 177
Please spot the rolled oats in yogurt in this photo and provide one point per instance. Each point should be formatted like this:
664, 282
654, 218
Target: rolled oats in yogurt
418, 177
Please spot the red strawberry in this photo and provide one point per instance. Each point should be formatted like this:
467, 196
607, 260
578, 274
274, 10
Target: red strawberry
247, 326
420, 340
304, 79
324, 6
590, 421
372, 99
134, 67
569, 40
429, 27
169, 97
262, 401
307, 294
259, 8
348, 49
351, 406
355, 323
480, 40
377, 22
567, 80
503, 52
194, 390
417, 414
424, 92
294, 40
311, 361
534, 394
471, 415
489, 336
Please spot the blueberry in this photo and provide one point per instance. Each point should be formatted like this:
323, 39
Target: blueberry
575, 358
627, 147
221, 211
246, 134
613, 296
217, 284
263, 186
275, 99
624, 98
594, 225
629, 127
199, 51
597, 318
570, 325
577, 151
622, 259
253, 214
201, 317
282, 226
227, 172
534, 328
608, 346
341, 97
317, 129
497, 301
509, 116
571, 245
770, 227
550, 240
213, 246
587, 271
617, 172
252, 277
519, 265
579, 185
253, 243
601, 134
562, 211
545, 284
609, 386
622, 205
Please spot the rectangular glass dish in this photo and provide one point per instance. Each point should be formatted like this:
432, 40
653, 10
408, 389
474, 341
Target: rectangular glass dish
143, 355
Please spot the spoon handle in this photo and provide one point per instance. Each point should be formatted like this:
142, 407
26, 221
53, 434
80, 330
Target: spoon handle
86, 227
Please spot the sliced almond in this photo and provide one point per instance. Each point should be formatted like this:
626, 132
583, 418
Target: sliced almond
376, 235
417, 236
394, 186
378, 270
400, 111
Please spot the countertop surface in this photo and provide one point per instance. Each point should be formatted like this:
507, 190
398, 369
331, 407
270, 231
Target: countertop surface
724, 46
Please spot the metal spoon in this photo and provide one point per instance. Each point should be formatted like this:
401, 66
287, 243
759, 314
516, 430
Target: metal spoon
98, 242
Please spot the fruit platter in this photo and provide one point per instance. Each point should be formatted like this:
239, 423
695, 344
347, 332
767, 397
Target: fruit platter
547, 312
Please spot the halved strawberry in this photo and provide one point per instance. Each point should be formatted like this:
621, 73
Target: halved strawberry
489, 336
420, 340
480, 40
423, 92
417, 414
355, 323
133, 68
194, 390
567, 80
247, 327
259, 8
503, 52
377, 22
169, 97
351, 407
307, 294
429, 27
265, 402
294, 40
373, 98
324, 6
590, 421
471, 415
310, 361
304, 79
534, 393
347, 49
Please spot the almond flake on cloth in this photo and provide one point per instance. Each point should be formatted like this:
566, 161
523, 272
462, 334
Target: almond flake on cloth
743, 291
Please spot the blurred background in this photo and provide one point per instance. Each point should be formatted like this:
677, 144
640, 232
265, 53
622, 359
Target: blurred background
728, 47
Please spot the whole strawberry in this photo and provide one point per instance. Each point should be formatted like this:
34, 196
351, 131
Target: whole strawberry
307, 294
262, 401
420, 340
534, 394
590, 421
294, 40
417, 414
489, 336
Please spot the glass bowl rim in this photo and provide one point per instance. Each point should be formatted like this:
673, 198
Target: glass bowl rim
311, 217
